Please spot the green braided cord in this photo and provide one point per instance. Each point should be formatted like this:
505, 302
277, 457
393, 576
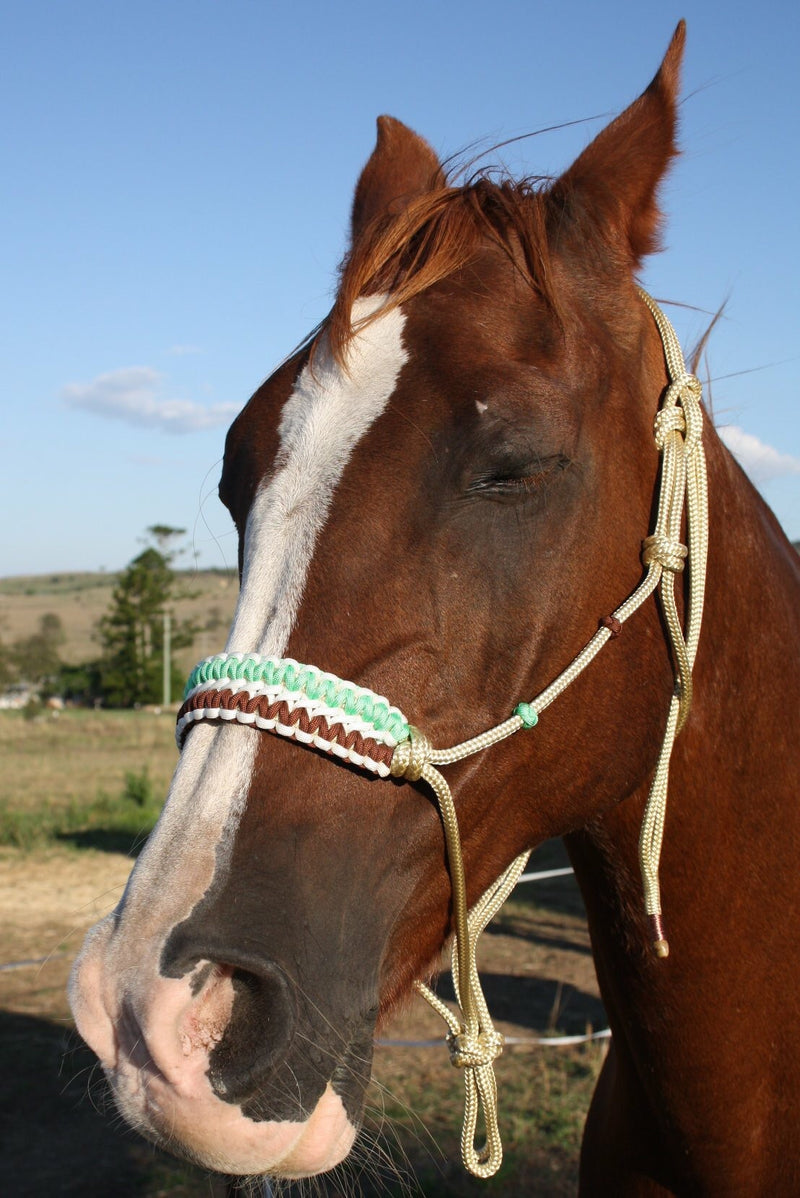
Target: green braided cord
304, 680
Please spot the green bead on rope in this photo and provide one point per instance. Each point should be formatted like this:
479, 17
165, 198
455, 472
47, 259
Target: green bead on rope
528, 714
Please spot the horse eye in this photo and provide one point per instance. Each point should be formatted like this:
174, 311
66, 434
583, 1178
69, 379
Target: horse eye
515, 482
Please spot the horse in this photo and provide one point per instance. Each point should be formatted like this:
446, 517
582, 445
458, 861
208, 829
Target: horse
442, 495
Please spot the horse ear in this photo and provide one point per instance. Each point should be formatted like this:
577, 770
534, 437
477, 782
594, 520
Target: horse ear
616, 177
402, 166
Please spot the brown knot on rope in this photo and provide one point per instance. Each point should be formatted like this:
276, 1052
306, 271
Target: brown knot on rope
470, 1050
410, 756
669, 554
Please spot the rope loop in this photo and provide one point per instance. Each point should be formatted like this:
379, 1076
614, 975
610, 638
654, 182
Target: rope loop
411, 756
685, 390
691, 396
470, 1050
669, 554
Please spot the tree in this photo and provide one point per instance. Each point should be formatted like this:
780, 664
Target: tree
8, 673
132, 633
165, 536
36, 657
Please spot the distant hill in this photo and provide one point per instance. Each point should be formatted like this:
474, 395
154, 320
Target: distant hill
81, 599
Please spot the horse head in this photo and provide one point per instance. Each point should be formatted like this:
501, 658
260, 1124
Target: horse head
438, 497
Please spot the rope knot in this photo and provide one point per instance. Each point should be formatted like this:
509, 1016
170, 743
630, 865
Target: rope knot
470, 1050
667, 420
410, 756
669, 554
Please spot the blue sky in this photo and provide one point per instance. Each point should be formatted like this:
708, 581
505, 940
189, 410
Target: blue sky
178, 176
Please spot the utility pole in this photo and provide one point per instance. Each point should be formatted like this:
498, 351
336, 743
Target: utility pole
167, 692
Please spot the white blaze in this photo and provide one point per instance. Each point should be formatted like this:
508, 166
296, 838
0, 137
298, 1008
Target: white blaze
325, 416
328, 411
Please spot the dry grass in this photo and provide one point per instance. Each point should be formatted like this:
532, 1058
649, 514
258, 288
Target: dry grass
70, 756
81, 599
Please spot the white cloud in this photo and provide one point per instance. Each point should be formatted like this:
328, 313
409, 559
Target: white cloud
762, 462
132, 395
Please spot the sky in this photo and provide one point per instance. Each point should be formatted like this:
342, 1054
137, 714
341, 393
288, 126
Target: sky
177, 184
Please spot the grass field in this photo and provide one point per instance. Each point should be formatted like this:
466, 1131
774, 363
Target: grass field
77, 795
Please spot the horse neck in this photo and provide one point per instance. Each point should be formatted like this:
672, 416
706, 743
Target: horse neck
732, 813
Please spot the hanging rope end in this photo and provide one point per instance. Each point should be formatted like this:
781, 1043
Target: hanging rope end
659, 939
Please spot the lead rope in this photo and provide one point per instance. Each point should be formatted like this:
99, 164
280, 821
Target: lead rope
679, 437
473, 1042
350, 722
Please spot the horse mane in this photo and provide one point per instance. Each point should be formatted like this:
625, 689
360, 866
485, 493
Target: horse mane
435, 235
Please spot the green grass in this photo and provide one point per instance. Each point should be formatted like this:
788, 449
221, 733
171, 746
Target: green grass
543, 1097
70, 755
118, 823
91, 779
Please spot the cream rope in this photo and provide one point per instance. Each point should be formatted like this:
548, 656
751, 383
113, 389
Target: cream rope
473, 1041
679, 432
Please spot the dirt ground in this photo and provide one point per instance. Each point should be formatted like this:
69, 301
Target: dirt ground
60, 1134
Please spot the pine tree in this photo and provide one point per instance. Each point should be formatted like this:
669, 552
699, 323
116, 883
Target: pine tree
132, 633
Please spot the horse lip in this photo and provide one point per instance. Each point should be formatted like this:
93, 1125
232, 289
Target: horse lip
351, 1074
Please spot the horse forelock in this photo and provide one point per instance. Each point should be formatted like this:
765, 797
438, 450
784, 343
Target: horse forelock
436, 234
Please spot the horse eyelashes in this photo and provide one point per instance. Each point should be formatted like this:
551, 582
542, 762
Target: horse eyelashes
515, 484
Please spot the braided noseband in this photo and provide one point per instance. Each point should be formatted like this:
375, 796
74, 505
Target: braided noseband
347, 721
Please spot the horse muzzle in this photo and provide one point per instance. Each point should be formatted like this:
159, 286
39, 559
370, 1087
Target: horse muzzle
206, 1062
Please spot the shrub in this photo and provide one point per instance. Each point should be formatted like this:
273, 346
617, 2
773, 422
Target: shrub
138, 788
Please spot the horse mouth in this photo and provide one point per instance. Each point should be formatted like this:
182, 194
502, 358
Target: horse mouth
220, 1136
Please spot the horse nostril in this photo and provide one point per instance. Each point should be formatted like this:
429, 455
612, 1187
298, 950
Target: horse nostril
244, 1010
258, 1033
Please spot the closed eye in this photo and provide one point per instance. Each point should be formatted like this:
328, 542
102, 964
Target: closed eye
513, 483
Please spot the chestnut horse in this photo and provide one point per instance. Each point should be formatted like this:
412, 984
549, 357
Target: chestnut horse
438, 497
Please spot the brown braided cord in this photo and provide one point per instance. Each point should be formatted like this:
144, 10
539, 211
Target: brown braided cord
290, 719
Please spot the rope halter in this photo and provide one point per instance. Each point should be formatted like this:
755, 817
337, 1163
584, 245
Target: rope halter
347, 721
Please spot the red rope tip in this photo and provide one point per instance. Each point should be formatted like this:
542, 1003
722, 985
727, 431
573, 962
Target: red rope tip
660, 942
